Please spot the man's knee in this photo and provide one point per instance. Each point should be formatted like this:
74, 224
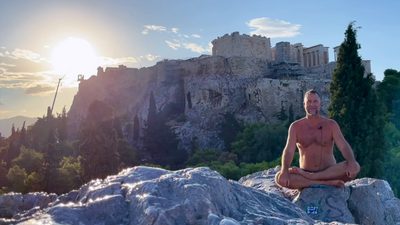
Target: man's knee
277, 178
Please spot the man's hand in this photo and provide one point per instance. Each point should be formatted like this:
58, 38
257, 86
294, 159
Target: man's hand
352, 169
284, 178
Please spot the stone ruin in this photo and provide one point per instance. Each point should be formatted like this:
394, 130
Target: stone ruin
244, 76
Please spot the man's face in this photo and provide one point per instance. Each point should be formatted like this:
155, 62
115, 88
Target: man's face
312, 104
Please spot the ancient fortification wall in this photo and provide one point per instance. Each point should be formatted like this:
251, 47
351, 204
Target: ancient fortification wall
244, 76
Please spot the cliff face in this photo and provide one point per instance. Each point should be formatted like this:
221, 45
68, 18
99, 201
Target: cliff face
201, 89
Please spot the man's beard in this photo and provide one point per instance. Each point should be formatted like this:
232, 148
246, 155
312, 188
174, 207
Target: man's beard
313, 112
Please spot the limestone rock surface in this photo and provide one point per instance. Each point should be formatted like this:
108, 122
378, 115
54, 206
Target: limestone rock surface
363, 201
144, 195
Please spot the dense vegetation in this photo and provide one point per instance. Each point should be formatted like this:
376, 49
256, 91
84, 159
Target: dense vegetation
41, 158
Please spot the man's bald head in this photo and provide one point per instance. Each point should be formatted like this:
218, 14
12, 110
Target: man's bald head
312, 91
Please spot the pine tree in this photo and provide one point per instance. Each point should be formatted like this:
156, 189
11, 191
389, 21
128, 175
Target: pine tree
99, 142
22, 138
290, 117
136, 128
354, 106
160, 140
51, 159
62, 125
13, 149
229, 130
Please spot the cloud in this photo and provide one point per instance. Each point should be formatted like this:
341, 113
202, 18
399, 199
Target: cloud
175, 30
198, 48
196, 36
23, 65
152, 57
3, 47
1, 104
40, 90
173, 45
153, 27
23, 80
273, 28
25, 54
4, 111
186, 36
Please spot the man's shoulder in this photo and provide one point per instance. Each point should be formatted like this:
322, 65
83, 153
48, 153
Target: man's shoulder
330, 121
298, 122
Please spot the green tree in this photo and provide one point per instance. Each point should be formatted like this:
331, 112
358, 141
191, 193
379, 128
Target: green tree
17, 176
389, 88
127, 155
161, 141
260, 142
3, 174
70, 170
355, 107
23, 140
282, 114
229, 130
13, 149
290, 117
99, 142
62, 125
51, 159
203, 156
136, 128
34, 182
29, 159
392, 158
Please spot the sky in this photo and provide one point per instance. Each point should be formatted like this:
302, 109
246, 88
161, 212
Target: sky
43, 43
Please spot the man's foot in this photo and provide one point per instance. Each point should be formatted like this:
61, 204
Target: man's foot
336, 183
297, 170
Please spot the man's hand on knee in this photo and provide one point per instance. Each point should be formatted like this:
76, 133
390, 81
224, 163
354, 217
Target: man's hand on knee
353, 168
284, 178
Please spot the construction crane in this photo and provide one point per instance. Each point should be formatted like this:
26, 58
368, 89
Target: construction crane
55, 96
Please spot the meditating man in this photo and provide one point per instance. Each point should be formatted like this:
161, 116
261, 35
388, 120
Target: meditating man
314, 136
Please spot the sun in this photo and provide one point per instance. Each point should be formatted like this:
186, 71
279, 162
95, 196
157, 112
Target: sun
73, 57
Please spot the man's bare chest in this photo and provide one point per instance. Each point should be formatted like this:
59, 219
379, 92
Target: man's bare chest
314, 136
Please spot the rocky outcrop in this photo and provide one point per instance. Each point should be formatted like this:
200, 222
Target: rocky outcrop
199, 90
143, 195
363, 201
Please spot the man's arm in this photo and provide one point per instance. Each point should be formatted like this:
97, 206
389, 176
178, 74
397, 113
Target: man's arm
344, 147
287, 156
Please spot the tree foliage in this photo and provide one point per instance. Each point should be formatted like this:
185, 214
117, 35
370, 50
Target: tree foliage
161, 141
230, 127
392, 157
99, 142
260, 142
355, 107
29, 159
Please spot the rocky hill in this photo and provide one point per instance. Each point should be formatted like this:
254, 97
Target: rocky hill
18, 121
200, 196
200, 90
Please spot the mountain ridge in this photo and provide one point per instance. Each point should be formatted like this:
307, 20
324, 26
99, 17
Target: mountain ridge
6, 124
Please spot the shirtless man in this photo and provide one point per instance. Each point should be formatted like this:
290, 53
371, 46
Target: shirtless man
314, 136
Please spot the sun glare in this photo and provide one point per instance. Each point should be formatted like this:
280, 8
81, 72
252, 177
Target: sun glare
74, 56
